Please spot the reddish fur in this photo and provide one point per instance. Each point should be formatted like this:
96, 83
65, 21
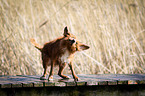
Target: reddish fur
54, 53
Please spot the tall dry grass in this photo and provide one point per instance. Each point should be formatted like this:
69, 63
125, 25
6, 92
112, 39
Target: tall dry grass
114, 29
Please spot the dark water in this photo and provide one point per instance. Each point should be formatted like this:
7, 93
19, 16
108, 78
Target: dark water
122, 90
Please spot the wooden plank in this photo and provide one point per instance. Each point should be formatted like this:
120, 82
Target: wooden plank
16, 85
26, 84
91, 83
7, 85
130, 82
38, 84
122, 82
112, 82
68, 83
48, 84
60, 84
86, 80
140, 81
81, 83
102, 83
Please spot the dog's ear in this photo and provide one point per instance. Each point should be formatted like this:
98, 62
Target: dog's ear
83, 47
66, 33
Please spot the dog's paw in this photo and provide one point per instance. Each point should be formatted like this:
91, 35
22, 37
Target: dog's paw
42, 78
50, 78
76, 79
67, 77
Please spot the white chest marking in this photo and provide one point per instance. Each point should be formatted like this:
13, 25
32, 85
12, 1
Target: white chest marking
65, 57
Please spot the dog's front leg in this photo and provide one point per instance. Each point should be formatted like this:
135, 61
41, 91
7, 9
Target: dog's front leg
73, 73
60, 72
50, 78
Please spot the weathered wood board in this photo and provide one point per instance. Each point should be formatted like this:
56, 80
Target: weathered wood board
22, 81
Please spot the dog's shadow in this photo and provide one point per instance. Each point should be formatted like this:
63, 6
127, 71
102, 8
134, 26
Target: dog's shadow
57, 79
65, 80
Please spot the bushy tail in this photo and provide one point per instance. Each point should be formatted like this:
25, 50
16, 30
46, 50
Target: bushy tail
36, 44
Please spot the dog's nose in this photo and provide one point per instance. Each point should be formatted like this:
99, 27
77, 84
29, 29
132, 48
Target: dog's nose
73, 41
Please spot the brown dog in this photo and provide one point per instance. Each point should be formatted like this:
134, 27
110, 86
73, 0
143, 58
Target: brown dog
60, 52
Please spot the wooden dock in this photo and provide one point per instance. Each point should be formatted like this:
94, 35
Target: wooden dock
87, 81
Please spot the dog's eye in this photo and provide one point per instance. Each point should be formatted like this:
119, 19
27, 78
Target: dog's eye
72, 41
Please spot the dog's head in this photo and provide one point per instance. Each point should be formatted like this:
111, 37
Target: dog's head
71, 42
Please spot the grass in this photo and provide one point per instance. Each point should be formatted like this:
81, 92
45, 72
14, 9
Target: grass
114, 30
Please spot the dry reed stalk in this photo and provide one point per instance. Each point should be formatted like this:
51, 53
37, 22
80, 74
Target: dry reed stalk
115, 31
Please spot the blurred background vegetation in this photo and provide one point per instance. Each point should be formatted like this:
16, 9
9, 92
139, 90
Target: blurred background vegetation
114, 30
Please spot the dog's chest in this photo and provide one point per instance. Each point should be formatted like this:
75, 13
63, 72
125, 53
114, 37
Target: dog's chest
65, 58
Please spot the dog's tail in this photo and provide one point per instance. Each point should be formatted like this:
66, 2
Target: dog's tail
36, 44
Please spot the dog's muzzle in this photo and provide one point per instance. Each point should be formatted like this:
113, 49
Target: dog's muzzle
72, 41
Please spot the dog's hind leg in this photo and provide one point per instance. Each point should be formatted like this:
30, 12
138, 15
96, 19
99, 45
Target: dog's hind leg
45, 65
50, 78
60, 72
